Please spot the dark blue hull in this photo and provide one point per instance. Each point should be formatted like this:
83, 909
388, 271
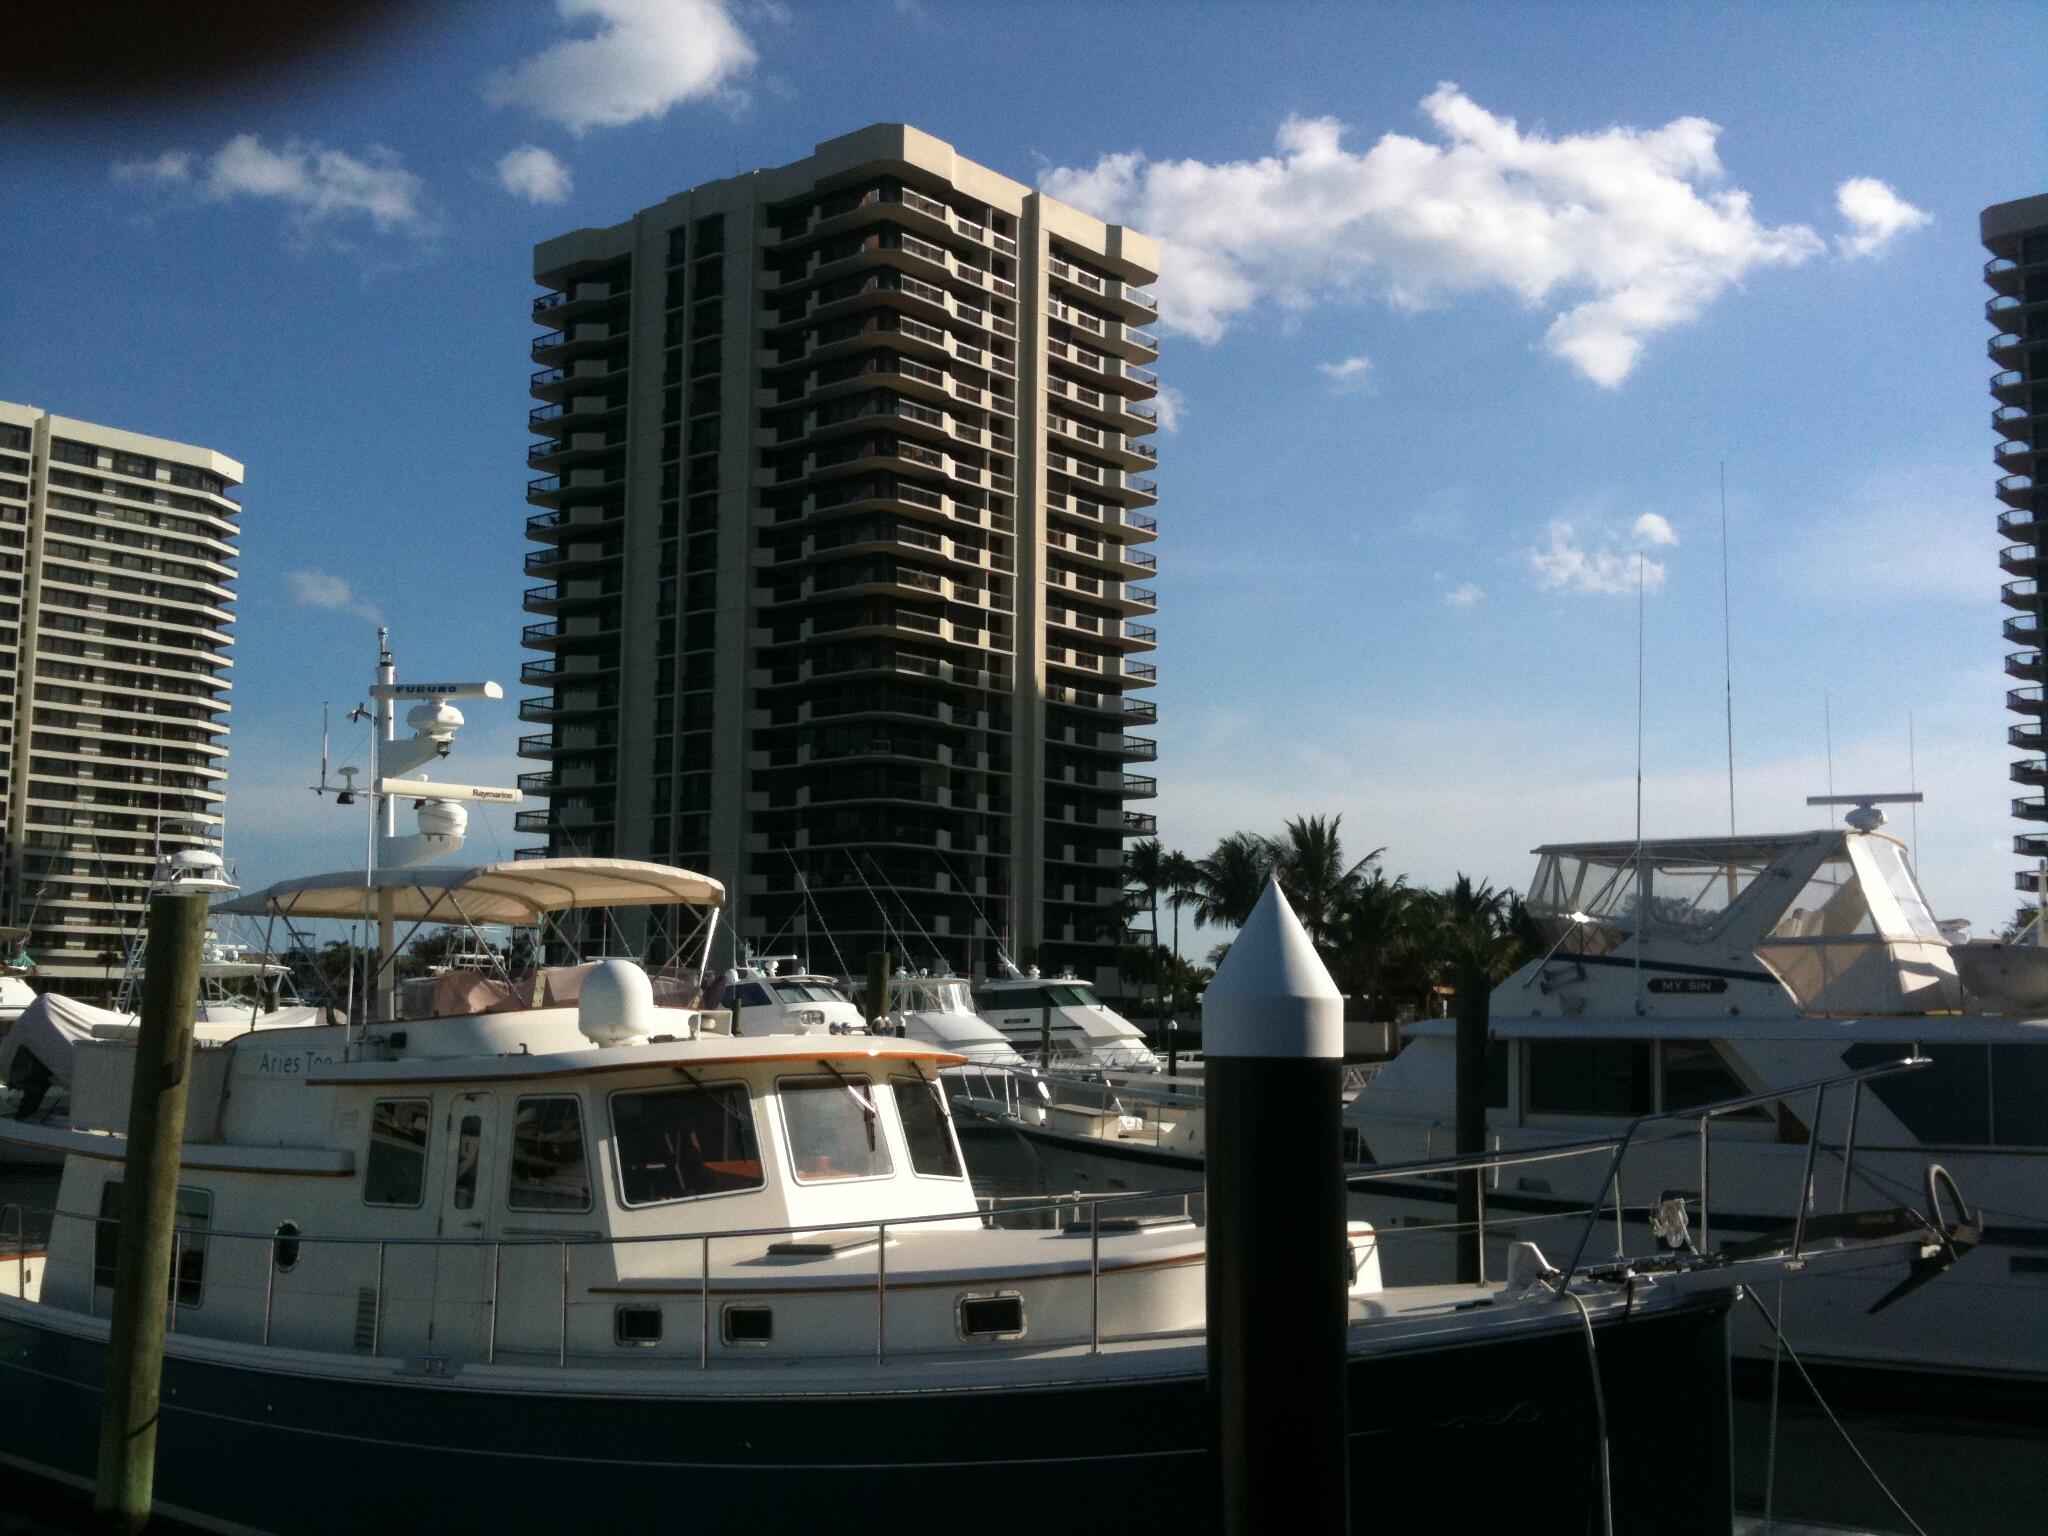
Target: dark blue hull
1446, 1439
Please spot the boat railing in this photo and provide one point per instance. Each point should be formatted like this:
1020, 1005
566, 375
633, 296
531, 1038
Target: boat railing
1065, 1211
1616, 1145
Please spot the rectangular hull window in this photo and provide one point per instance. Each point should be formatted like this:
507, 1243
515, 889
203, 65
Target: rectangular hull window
549, 1171
188, 1243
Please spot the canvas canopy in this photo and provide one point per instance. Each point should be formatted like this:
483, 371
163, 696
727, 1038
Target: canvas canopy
518, 892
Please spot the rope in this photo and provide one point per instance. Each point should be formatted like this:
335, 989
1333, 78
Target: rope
1600, 1414
1786, 1351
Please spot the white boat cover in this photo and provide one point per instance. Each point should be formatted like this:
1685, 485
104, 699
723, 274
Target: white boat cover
514, 891
50, 1028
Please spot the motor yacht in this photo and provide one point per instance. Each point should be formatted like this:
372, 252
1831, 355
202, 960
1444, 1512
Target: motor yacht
1059, 1020
575, 1233
1681, 971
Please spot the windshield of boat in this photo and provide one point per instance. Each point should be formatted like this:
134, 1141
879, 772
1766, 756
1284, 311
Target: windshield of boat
1065, 993
924, 994
1593, 901
806, 991
1866, 890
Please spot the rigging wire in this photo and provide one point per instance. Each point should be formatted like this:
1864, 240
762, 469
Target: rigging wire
1727, 650
1786, 1351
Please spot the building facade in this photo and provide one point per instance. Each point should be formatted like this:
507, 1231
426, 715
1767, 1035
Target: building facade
842, 554
2016, 234
117, 567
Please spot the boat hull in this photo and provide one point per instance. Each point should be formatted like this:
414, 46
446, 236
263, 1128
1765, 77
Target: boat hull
318, 1450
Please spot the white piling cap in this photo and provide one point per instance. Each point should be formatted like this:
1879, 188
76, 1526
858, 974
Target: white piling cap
1272, 996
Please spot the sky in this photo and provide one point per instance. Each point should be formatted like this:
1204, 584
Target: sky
1467, 311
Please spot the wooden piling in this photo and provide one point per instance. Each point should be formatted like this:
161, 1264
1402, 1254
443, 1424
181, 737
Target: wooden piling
149, 1202
1474, 1006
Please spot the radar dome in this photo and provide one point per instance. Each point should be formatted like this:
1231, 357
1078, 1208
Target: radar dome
616, 1003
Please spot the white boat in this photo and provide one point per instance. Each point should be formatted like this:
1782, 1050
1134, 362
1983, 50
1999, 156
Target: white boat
1686, 970
1059, 1021
502, 1252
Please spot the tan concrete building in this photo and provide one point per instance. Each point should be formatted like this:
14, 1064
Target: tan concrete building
2016, 234
117, 556
842, 554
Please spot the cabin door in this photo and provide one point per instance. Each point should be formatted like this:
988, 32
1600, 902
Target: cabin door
462, 1263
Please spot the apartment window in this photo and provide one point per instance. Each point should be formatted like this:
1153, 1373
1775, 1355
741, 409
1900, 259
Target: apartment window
710, 233
395, 1171
549, 1169
678, 246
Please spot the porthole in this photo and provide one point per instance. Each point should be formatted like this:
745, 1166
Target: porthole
1000, 1316
637, 1326
748, 1325
284, 1252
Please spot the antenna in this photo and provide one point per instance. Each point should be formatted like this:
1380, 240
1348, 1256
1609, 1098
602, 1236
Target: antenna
1642, 893
1827, 725
1727, 650
1913, 780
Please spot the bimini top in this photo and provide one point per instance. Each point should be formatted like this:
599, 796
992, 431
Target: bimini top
517, 892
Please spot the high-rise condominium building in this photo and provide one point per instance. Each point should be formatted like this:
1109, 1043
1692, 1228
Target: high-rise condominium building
2016, 234
117, 555
846, 520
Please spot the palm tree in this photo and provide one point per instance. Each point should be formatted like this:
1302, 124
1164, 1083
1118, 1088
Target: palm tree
1180, 875
1309, 859
1144, 867
1229, 881
1376, 932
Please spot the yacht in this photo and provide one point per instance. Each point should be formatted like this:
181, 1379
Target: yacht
1687, 970
575, 1233
763, 998
1059, 1020
939, 1010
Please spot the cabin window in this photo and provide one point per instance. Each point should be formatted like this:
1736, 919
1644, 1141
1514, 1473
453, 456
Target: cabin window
1695, 1074
681, 1143
747, 1325
992, 1317
926, 1128
835, 1128
639, 1326
469, 1145
284, 1248
549, 1170
2019, 1095
188, 1242
1947, 1104
1589, 1077
748, 994
395, 1172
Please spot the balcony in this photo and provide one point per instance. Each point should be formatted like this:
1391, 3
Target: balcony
2003, 309
2024, 664
2024, 595
2005, 349
2024, 701
2002, 273
2010, 386
1140, 824
2016, 491
2031, 808
541, 783
2029, 845
1139, 786
2028, 738
2020, 560
2015, 456
2023, 630
2030, 770
1140, 671
1140, 749
1144, 634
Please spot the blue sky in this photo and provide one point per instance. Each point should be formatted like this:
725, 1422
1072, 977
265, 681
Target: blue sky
1367, 604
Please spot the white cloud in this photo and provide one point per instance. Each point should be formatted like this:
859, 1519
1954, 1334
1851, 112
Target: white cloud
324, 589
322, 186
1618, 234
1169, 402
1601, 563
1653, 531
534, 174
173, 165
1465, 596
1875, 215
646, 56
1352, 373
